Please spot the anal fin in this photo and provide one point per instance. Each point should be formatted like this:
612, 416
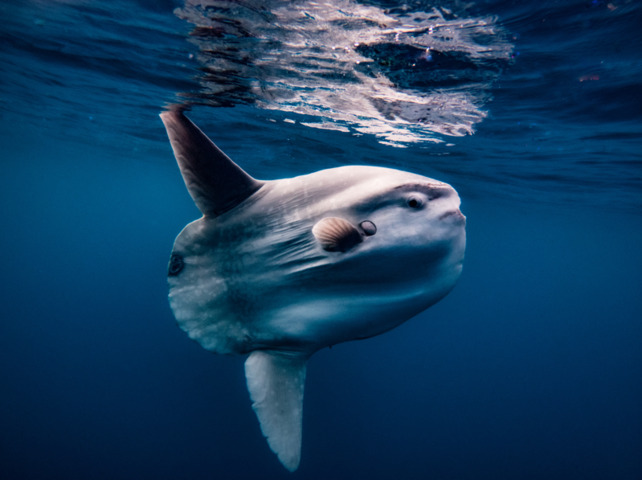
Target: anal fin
275, 382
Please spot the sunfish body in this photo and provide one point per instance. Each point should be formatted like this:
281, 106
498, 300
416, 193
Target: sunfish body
280, 269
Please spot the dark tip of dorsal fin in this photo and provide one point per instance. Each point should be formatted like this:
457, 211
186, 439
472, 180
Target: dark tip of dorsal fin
214, 181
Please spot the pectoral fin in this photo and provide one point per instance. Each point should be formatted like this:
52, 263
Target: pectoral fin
336, 234
275, 382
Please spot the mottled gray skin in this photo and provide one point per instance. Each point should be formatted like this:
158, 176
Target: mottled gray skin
256, 278
280, 269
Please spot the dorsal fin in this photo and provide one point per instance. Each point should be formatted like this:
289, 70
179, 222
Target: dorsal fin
214, 181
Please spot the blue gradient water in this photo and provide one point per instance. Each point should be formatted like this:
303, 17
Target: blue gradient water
531, 368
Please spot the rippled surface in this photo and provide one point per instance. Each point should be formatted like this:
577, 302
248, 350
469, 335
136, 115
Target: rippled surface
400, 74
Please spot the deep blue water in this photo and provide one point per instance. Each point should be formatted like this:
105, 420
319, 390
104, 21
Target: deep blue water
530, 369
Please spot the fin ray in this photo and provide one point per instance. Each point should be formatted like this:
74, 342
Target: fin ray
336, 234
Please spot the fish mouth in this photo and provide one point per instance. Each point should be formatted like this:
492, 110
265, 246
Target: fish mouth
455, 215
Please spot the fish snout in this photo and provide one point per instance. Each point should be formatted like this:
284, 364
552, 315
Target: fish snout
448, 200
454, 215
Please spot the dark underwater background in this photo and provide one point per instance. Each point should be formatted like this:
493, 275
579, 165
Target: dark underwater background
531, 368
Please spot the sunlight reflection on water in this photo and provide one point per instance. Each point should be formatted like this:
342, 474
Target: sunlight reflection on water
404, 76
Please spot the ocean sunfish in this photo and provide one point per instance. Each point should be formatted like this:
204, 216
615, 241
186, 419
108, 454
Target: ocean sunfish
279, 269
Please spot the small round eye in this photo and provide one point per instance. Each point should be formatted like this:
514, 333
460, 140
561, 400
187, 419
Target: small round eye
414, 202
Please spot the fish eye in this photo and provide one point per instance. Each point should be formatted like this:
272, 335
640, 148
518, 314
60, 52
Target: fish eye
414, 202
